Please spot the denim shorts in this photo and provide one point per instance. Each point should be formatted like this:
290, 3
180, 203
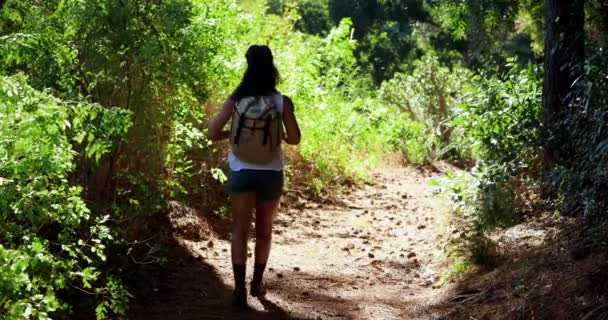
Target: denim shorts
267, 184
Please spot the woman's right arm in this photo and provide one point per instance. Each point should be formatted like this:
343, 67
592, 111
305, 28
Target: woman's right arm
291, 124
215, 126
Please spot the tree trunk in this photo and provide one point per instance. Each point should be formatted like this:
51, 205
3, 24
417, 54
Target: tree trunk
564, 58
604, 23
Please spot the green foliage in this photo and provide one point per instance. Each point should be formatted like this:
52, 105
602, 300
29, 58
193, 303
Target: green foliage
382, 28
119, 91
50, 239
451, 17
580, 141
596, 22
313, 14
384, 31
407, 137
117, 54
321, 76
322, 82
501, 117
492, 30
530, 21
426, 96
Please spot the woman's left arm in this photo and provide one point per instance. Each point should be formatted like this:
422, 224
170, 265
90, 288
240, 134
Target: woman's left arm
214, 129
291, 124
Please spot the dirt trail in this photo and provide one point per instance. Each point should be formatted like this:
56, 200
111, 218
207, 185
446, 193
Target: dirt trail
376, 255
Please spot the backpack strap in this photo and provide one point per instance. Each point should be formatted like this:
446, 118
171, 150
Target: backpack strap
237, 136
268, 122
266, 130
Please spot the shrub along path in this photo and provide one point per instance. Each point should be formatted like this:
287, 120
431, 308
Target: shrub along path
376, 253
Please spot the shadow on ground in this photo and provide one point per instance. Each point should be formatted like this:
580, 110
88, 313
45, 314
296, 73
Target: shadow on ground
308, 291
189, 287
553, 268
192, 289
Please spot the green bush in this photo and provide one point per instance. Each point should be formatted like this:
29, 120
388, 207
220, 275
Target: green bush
426, 96
154, 59
51, 241
500, 116
406, 137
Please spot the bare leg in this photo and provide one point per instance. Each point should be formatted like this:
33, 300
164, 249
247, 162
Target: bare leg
264, 214
242, 208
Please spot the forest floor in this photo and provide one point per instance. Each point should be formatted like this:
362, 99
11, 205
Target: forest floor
374, 253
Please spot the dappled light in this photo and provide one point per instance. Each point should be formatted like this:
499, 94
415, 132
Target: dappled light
303, 159
337, 260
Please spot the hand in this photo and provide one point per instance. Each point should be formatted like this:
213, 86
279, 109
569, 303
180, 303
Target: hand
214, 127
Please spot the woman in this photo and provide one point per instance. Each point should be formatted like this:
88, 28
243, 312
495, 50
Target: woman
254, 186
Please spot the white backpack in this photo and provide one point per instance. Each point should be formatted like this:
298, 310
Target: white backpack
256, 130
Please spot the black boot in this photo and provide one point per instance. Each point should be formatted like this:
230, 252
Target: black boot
239, 296
257, 284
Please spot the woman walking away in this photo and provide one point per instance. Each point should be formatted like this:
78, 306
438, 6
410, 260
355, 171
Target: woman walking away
261, 118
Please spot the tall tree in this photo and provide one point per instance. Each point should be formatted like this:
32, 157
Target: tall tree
564, 56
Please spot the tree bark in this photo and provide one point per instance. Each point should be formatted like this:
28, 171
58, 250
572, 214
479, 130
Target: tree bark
564, 58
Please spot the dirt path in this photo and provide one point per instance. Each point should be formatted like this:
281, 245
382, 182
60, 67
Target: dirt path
377, 255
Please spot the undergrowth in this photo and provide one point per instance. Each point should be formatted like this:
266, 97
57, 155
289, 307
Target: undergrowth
50, 240
501, 117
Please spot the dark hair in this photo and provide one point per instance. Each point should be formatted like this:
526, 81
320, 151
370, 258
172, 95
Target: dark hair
261, 76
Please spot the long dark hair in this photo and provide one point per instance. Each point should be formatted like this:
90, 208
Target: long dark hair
261, 77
